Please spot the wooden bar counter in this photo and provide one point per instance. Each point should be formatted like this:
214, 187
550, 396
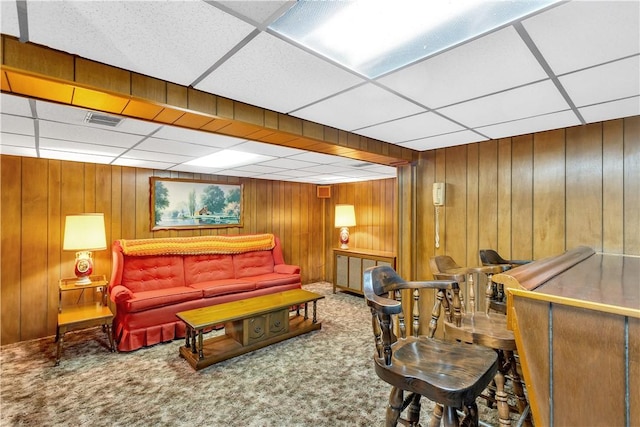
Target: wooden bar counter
576, 319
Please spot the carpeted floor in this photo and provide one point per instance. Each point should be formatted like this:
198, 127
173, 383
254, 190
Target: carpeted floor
324, 378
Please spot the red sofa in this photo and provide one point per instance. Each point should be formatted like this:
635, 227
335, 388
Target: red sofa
153, 279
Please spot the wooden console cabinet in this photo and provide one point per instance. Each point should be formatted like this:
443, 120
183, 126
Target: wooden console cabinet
350, 264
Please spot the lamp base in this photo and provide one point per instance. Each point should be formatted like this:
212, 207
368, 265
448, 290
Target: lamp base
84, 267
83, 281
344, 238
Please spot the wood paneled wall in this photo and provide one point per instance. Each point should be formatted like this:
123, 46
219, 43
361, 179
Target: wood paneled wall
528, 197
37, 194
375, 206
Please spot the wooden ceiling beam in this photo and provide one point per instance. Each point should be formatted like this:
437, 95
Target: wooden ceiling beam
41, 73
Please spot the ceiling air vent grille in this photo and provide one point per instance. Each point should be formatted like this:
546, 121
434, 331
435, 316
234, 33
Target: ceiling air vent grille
361, 165
102, 119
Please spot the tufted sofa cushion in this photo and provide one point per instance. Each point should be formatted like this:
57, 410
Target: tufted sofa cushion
146, 273
160, 297
251, 264
205, 268
214, 288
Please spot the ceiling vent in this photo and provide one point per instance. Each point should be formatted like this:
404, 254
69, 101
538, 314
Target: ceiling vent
102, 119
361, 165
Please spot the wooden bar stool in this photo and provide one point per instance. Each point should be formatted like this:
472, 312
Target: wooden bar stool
488, 329
451, 374
489, 257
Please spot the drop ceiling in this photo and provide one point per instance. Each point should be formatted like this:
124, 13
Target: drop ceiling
569, 64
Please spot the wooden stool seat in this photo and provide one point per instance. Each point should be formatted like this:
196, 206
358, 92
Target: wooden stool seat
452, 375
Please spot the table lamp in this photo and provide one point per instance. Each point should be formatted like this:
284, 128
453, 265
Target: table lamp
345, 218
84, 233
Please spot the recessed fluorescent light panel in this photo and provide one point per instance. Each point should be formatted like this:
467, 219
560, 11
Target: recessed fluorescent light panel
374, 37
228, 158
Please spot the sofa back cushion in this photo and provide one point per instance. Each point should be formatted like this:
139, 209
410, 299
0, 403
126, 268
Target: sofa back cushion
146, 273
253, 263
205, 268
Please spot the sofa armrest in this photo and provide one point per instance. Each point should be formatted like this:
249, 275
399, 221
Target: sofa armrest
120, 293
286, 269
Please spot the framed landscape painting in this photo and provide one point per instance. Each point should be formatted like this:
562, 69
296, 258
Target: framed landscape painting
186, 203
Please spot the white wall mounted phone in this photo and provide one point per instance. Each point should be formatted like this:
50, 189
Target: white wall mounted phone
438, 193
438, 200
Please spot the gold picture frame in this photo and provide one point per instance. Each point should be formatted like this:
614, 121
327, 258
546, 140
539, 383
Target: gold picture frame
190, 204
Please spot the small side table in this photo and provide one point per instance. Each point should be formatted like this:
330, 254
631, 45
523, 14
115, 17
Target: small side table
82, 316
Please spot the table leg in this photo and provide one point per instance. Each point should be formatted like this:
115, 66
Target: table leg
107, 329
306, 314
60, 335
200, 345
187, 335
315, 319
193, 341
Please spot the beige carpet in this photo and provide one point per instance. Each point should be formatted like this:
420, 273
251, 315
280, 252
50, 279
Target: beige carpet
324, 378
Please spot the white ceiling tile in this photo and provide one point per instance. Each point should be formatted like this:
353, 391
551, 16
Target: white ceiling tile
14, 105
531, 124
186, 37
447, 140
86, 134
9, 18
61, 113
137, 163
238, 172
74, 115
315, 158
195, 169
581, 34
287, 163
611, 110
278, 177
258, 169
26, 141
256, 11
175, 147
487, 65
409, 128
157, 157
328, 169
607, 82
383, 170
75, 157
79, 147
267, 65
357, 108
295, 172
13, 150
19, 125
527, 101
197, 137
267, 149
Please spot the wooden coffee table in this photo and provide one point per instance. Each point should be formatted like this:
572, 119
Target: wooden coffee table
249, 324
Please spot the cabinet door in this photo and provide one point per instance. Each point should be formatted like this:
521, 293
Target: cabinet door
355, 274
366, 263
342, 270
384, 263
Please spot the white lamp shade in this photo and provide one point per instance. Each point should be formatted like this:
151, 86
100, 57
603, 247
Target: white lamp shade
345, 216
84, 232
